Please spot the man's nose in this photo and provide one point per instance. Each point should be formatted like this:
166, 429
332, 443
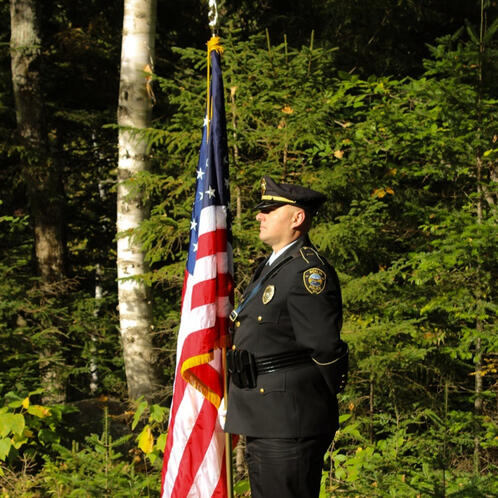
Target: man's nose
260, 216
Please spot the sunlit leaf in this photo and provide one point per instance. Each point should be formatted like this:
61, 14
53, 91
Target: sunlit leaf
146, 440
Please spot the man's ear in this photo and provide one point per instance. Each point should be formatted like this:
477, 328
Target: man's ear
299, 218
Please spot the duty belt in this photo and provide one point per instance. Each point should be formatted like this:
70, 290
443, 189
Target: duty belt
272, 363
244, 367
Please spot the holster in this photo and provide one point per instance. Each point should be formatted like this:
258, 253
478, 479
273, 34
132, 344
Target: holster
241, 365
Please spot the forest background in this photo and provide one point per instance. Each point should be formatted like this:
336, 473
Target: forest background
389, 107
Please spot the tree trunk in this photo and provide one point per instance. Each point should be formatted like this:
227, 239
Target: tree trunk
371, 411
478, 348
134, 116
40, 172
238, 203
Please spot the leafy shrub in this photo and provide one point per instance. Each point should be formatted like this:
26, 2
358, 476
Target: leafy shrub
27, 428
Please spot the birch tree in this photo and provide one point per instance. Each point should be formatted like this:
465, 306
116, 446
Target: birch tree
40, 173
134, 116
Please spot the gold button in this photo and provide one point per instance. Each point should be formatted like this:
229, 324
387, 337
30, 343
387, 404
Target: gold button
237, 324
234, 347
261, 390
260, 318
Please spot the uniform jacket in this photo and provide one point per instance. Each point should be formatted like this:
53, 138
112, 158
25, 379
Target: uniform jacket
303, 312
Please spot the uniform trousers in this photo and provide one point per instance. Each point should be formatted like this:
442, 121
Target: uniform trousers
286, 467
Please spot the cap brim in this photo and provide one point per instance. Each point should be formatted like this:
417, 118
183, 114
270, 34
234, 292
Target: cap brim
269, 204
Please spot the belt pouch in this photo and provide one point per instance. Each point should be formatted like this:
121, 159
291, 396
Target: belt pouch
242, 368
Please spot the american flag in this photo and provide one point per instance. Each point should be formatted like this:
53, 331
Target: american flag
195, 447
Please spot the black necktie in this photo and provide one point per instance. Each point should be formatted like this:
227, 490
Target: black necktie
265, 269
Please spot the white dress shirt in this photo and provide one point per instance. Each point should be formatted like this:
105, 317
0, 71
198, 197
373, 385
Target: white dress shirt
275, 255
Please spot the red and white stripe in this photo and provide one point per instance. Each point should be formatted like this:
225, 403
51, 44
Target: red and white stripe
194, 454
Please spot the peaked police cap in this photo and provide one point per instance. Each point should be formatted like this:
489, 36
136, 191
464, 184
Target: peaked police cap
275, 194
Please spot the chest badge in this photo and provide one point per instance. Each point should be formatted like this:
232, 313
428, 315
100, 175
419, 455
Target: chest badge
268, 294
314, 280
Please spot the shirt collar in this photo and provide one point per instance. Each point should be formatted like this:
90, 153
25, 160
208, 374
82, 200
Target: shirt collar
275, 255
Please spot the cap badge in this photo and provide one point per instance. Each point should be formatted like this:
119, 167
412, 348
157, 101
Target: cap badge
268, 294
314, 280
263, 186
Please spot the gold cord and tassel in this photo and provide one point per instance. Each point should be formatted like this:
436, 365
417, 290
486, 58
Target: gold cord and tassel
212, 44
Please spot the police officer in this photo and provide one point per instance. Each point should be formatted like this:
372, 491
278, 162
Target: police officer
287, 361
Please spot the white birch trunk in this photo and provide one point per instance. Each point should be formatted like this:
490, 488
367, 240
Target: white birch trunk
134, 111
94, 372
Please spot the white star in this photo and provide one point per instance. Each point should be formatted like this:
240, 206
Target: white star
206, 121
210, 191
193, 225
207, 163
200, 174
196, 245
201, 195
226, 182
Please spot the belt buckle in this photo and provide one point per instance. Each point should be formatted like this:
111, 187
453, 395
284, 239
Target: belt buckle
233, 316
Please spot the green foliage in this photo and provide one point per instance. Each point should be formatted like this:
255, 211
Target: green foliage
403, 463
408, 162
152, 438
98, 469
97, 466
241, 487
33, 317
27, 428
273, 119
411, 234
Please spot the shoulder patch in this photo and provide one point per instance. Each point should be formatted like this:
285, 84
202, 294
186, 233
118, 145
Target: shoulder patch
314, 280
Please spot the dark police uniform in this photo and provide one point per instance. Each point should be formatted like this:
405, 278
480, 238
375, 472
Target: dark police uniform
290, 324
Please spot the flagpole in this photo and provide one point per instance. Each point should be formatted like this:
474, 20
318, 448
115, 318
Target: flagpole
228, 436
213, 22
